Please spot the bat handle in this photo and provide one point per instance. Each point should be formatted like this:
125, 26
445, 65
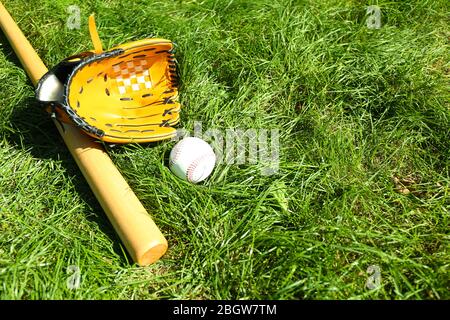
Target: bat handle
28, 57
137, 230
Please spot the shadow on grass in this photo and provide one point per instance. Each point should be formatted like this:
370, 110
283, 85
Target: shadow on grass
35, 132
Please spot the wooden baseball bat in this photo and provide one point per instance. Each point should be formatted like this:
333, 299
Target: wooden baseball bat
139, 233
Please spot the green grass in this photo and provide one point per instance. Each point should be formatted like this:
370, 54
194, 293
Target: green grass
358, 110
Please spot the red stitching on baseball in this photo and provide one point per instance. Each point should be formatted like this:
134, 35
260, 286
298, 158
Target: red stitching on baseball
177, 152
194, 164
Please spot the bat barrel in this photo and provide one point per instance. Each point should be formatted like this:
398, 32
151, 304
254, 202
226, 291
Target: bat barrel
139, 233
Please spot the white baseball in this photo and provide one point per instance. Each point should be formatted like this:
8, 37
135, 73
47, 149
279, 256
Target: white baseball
192, 159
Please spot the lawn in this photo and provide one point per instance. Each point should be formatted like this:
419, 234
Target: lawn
364, 155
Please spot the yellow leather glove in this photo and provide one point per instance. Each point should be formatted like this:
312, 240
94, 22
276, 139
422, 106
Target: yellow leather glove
126, 94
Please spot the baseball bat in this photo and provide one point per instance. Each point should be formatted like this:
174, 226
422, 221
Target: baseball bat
139, 233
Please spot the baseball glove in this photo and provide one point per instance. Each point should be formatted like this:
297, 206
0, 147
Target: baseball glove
126, 94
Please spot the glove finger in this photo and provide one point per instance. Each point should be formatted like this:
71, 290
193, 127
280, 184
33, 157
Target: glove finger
150, 134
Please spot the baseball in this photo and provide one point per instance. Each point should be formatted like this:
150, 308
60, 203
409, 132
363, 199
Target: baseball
192, 159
